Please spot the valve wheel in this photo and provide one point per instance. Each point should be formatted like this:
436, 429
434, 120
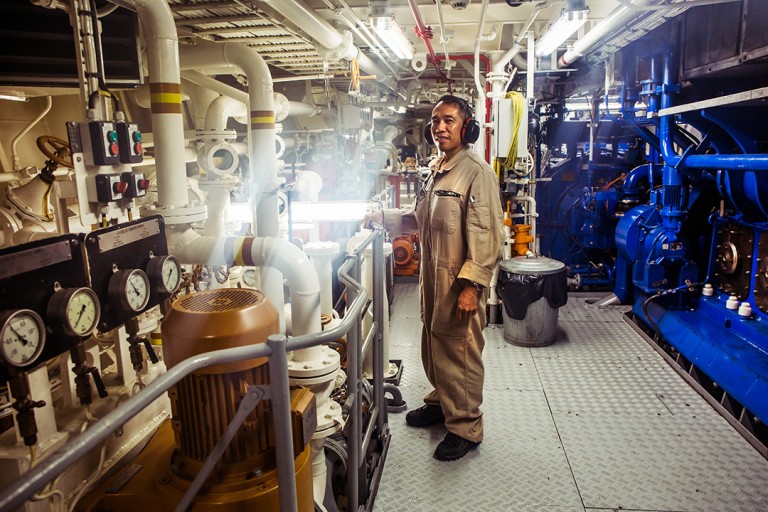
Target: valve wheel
55, 149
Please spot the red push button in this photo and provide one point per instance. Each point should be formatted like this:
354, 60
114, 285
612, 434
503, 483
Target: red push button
120, 187
137, 148
113, 149
143, 184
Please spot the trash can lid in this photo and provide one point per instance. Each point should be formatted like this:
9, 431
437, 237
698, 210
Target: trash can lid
537, 265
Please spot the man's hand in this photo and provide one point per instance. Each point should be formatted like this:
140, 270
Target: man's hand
468, 299
377, 217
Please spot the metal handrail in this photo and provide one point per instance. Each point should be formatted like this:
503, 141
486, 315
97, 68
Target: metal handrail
15, 494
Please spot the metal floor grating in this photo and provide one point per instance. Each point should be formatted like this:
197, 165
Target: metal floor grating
597, 421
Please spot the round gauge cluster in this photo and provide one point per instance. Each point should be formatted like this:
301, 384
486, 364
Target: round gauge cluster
165, 274
22, 336
129, 289
74, 311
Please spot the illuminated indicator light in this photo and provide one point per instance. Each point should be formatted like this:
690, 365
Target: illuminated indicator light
120, 187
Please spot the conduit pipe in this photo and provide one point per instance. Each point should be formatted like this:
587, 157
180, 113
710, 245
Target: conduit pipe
22, 133
263, 159
340, 46
616, 19
425, 33
513, 54
165, 91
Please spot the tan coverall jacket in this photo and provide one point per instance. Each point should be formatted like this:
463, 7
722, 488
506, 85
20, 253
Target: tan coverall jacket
461, 235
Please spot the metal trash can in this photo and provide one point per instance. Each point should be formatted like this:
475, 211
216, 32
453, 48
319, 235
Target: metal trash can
532, 289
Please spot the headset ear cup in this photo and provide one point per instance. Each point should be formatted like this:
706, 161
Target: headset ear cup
428, 134
470, 132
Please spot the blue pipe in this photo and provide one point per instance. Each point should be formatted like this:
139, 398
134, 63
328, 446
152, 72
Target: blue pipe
754, 162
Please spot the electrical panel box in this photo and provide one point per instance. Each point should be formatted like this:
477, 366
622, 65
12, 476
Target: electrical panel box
106, 188
504, 131
129, 143
138, 184
103, 139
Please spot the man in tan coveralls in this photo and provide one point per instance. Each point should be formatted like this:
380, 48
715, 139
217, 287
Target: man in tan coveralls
459, 218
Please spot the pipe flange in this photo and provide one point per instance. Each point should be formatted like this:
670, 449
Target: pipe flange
315, 371
329, 420
174, 216
320, 249
204, 135
346, 49
227, 182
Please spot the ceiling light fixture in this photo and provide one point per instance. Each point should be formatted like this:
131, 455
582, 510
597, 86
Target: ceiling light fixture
571, 18
389, 31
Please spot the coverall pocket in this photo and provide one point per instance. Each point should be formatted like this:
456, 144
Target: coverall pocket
446, 211
445, 321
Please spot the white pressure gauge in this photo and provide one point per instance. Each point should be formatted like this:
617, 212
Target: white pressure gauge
164, 274
129, 290
22, 336
249, 277
74, 311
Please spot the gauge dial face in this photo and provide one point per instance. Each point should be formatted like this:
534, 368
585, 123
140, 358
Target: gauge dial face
129, 290
165, 274
82, 313
22, 336
249, 277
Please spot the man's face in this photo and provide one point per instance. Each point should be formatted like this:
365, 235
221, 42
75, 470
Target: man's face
446, 128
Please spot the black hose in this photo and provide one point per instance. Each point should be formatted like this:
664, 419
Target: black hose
99, 61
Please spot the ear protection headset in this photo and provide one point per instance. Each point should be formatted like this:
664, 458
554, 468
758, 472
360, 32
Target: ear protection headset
470, 130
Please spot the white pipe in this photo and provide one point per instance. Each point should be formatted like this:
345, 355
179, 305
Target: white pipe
615, 20
263, 159
211, 83
304, 17
275, 253
515, 49
46, 109
478, 85
165, 86
221, 109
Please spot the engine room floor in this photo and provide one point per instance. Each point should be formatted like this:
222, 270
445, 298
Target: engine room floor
597, 421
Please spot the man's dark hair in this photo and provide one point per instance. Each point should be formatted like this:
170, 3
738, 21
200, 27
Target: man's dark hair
464, 107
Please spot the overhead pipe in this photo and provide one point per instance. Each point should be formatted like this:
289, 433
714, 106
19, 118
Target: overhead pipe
513, 54
165, 90
263, 159
340, 46
443, 39
616, 19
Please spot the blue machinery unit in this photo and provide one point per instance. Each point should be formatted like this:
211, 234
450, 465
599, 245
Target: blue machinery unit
679, 230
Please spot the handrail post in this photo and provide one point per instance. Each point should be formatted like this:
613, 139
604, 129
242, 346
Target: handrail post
379, 297
281, 412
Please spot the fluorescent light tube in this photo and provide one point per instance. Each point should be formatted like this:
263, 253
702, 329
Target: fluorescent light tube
563, 28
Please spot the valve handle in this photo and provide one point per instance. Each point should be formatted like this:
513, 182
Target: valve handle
100, 388
150, 350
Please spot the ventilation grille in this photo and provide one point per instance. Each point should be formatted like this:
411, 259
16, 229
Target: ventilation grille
217, 301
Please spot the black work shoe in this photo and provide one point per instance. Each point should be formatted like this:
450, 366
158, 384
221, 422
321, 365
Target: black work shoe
425, 416
453, 447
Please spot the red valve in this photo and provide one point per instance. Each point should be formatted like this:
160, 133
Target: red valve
120, 187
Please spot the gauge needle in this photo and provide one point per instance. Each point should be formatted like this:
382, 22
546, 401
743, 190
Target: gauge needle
80, 315
21, 338
135, 290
